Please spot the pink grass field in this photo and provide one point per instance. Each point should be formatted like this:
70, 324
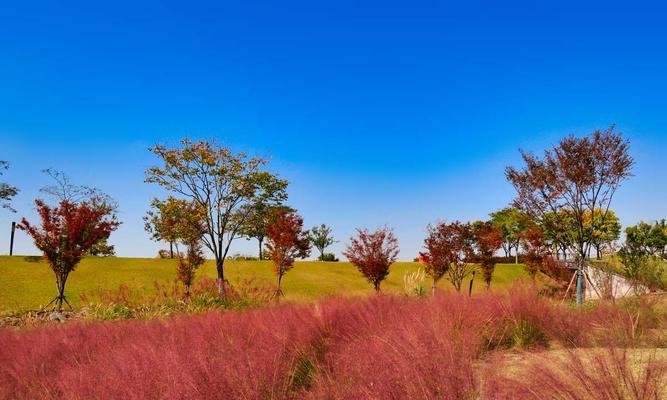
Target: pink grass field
384, 347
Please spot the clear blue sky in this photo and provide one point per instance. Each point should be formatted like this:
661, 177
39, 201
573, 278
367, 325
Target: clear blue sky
378, 113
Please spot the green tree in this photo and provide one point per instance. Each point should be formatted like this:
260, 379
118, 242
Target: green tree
650, 238
558, 229
512, 223
259, 217
603, 229
6, 190
223, 183
162, 220
321, 237
640, 262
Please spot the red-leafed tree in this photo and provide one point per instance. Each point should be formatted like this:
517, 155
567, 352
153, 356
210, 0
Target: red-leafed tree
536, 249
373, 253
577, 178
67, 232
462, 241
440, 252
287, 241
488, 239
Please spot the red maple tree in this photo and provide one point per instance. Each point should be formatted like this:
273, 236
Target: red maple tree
488, 239
66, 233
373, 253
440, 251
287, 241
536, 250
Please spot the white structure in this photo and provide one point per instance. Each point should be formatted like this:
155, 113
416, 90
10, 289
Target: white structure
607, 284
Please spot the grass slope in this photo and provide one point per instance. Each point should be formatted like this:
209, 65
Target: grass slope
27, 285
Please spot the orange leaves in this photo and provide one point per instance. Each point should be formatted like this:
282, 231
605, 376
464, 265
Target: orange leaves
287, 240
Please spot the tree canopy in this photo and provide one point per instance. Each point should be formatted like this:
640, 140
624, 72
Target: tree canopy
321, 237
7, 191
577, 177
225, 184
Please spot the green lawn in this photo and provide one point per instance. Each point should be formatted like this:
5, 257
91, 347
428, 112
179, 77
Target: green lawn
27, 285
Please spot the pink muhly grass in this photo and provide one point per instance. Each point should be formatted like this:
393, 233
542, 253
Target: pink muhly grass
440, 347
585, 374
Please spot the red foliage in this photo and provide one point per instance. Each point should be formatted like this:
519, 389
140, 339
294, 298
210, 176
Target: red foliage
536, 250
440, 251
488, 239
286, 241
372, 253
67, 232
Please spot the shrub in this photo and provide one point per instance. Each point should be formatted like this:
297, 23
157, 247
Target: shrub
164, 253
328, 257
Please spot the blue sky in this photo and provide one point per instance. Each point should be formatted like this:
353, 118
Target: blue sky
377, 113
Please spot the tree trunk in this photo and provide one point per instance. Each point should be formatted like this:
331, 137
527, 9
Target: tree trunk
187, 292
260, 240
60, 283
516, 257
377, 287
171, 249
279, 291
433, 287
219, 267
597, 251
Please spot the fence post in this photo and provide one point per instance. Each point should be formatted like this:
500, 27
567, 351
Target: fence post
11, 240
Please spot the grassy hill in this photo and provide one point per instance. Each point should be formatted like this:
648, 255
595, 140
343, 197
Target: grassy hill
26, 283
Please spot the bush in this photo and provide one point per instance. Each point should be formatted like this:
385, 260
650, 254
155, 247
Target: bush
163, 253
244, 257
327, 257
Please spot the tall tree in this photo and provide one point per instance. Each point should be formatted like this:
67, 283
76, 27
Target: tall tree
321, 237
66, 234
440, 251
225, 184
287, 241
512, 223
488, 239
255, 225
6, 190
373, 253
578, 175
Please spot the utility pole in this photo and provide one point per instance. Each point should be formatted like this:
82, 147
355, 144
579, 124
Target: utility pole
580, 286
11, 240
